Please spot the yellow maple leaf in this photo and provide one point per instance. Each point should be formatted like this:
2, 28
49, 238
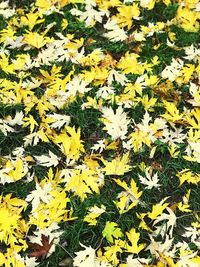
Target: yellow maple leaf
126, 14
187, 19
83, 182
117, 166
8, 32
47, 4
129, 64
158, 209
12, 226
35, 39
111, 252
17, 171
70, 142
5, 65
183, 205
94, 213
44, 4
172, 113
30, 19
8, 222
15, 203
173, 150
143, 224
133, 190
134, 238
148, 103
187, 72
193, 118
188, 176
31, 122
195, 260
128, 198
91, 162
64, 24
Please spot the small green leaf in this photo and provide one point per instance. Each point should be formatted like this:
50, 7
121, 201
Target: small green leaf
111, 230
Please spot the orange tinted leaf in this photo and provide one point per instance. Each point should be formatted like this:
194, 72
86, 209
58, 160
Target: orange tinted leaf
38, 250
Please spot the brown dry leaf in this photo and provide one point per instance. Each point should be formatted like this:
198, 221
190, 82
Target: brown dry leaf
38, 250
173, 207
157, 166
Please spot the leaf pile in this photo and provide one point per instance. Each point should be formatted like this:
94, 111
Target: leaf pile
100, 133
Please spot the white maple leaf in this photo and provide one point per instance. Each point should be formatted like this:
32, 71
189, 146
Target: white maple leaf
192, 53
31, 139
77, 85
136, 262
171, 220
99, 263
50, 160
194, 234
60, 120
193, 151
173, 70
170, 44
90, 16
59, 99
4, 127
176, 136
197, 8
116, 124
105, 92
30, 262
158, 247
85, 258
150, 180
50, 54
14, 43
40, 194
18, 151
17, 120
115, 33
5, 124
32, 84
4, 177
117, 76
5, 10
100, 145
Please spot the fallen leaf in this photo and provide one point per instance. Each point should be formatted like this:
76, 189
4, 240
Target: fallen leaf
38, 250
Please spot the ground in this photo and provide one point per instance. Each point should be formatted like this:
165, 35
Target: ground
99, 133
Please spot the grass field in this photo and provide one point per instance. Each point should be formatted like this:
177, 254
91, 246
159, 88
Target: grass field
100, 133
